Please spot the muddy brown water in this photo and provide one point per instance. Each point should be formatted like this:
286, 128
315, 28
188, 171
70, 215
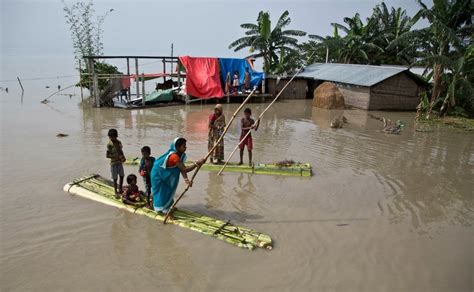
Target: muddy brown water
381, 213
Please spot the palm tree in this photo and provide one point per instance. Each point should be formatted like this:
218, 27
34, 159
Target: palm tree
450, 28
460, 82
269, 43
389, 27
318, 47
358, 40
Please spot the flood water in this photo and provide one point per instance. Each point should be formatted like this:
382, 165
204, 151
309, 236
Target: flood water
381, 212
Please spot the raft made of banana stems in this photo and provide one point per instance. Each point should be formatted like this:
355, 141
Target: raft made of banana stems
294, 169
100, 189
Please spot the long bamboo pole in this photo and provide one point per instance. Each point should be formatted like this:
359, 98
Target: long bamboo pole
258, 120
210, 152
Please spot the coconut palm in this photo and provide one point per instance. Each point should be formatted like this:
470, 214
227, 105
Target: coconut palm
268, 43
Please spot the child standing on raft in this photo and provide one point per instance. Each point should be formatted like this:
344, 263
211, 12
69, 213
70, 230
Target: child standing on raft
146, 163
247, 124
117, 158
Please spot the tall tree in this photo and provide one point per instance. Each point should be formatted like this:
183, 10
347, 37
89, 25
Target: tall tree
319, 47
389, 26
86, 28
268, 43
86, 33
358, 40
450, 29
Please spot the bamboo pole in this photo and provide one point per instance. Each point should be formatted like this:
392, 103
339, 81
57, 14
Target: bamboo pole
210, 152
19, 81
91, 90
143, 88
164, 70
129, 95
95, 85
137, 80
80, 80
258, 120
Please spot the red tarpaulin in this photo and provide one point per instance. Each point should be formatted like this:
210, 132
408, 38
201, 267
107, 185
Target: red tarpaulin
202, 77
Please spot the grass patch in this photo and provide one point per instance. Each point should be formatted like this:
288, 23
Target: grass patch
451, 122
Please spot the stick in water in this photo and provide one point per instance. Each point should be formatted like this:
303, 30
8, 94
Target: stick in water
210, 152
258, 120
22, 90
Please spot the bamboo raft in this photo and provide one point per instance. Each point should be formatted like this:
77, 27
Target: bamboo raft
296, 169
97, 188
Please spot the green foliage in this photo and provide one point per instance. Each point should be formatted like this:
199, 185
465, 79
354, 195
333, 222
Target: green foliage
100, 68
447, 49
374, 42
270, 44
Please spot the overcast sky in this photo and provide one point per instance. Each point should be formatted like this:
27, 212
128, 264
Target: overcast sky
197, 28
36, 42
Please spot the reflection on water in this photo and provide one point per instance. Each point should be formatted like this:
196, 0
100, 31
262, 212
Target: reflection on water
369, 190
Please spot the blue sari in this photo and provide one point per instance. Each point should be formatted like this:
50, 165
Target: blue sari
164, 180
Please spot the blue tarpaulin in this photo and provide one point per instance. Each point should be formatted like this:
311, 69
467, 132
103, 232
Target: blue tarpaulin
230, 65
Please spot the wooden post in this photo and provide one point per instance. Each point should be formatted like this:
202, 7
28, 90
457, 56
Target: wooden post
263, 85
178, 67
164, 70
137, 80
90, 81
129, 95
143, 89
80, 79
95, 85
171, 58
22, 90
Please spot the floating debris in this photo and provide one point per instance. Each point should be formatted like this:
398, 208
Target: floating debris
285, 163
389, 127
338, 122
61, 135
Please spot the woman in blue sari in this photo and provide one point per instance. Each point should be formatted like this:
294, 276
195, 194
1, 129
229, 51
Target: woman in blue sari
165, 174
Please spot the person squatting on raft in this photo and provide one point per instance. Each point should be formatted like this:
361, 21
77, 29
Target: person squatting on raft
165, 174
146, 164
131, 194
216, 128
117, 158
247, 124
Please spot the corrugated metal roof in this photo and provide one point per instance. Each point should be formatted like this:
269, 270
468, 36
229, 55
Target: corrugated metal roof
363, 75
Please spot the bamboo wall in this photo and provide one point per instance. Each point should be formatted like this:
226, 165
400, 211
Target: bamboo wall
399, 92
297, 89
355, 96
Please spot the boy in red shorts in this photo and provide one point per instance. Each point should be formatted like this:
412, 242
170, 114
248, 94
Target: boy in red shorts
247, 124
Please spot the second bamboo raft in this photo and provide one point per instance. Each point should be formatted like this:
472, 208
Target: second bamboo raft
295, 169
